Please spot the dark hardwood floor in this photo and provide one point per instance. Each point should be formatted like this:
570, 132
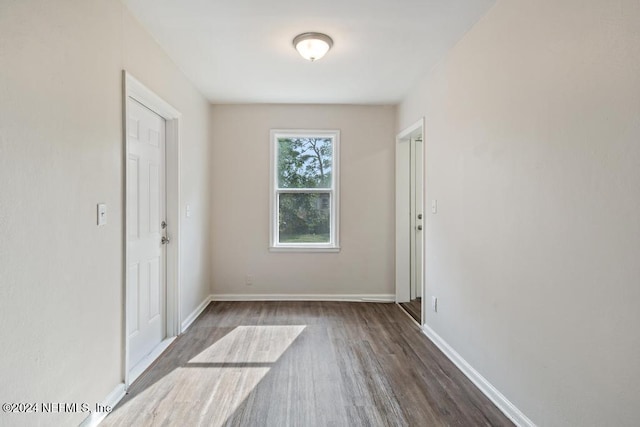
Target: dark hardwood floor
304, 364
414, 308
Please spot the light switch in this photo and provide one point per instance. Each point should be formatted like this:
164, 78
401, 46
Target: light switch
102, 214
434, 206
188, 211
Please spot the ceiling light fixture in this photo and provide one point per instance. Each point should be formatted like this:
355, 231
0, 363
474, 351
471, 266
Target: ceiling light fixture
312, 46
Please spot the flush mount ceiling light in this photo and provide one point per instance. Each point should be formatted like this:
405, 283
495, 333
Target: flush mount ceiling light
312, 46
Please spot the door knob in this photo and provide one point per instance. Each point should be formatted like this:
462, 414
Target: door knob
419, 216
419, 228
165, 240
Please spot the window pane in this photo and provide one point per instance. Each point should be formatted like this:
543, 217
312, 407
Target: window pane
304, 162
304, 217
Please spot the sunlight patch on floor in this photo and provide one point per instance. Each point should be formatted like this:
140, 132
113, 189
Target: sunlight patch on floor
224, 375
234, 382
251, 344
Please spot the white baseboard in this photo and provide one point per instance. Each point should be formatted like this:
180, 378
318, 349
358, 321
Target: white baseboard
508, 408
148, 360
283, 297
111, 401
305, 297
194, 315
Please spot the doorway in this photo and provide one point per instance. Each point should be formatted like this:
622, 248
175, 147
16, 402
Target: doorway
151, 252
410, 220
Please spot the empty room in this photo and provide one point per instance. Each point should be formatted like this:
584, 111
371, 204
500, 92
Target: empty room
339, 213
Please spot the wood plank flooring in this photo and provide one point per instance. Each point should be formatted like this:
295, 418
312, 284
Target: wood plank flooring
304, 364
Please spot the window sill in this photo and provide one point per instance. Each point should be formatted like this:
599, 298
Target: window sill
307, 249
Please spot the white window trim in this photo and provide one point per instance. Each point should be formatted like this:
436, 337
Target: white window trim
334, 244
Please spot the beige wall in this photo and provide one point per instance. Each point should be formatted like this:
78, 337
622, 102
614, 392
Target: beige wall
61, 151
533, 153
240, 204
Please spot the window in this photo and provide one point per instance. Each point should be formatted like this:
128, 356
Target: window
304, 190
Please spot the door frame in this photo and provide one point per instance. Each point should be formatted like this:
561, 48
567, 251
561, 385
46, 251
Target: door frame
403, 220
416, 208
132, 88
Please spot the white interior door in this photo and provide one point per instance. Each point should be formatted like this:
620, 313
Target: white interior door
416, 216
146, 253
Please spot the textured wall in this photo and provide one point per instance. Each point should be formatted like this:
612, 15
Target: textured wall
533, 153
240, 209
61, 153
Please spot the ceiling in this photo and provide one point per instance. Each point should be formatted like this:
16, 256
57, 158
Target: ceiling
240, 51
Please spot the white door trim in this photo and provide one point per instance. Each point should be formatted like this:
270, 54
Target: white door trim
403, 220
132, 88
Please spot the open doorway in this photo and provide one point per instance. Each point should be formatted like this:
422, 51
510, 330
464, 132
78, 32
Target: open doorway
409, 220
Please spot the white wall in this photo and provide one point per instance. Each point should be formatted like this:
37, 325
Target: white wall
61, 152
143, 58
240, 204
533, 153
